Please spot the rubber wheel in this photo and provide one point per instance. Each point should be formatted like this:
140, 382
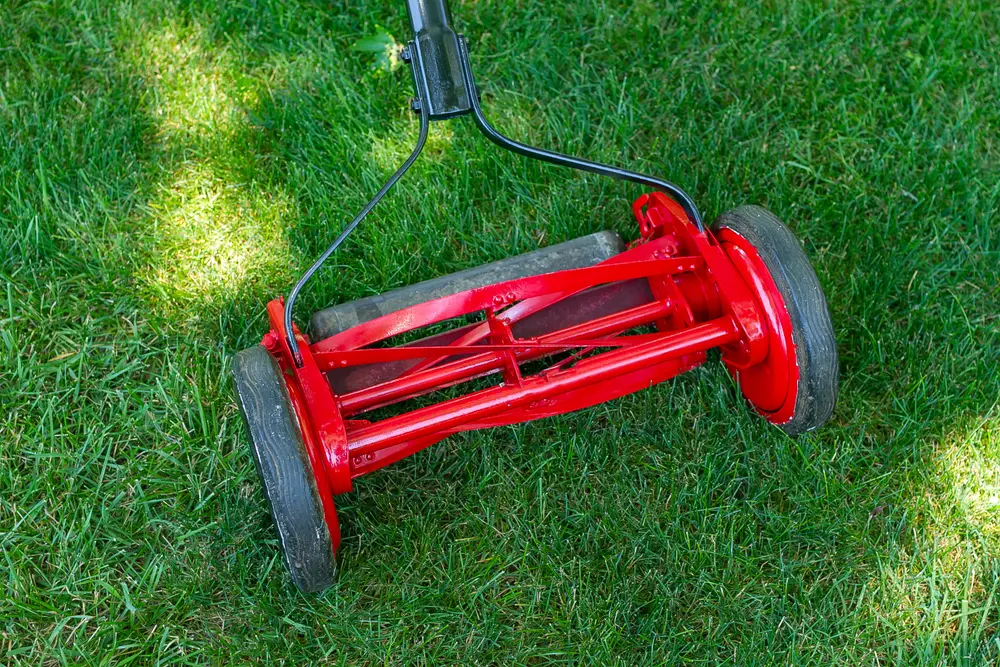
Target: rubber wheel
811, 330
285, 472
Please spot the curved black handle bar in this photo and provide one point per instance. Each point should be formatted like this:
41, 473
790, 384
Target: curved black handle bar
442, 48
565, 160
290, 301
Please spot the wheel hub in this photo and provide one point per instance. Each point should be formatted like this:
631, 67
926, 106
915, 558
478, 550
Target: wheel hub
770, 386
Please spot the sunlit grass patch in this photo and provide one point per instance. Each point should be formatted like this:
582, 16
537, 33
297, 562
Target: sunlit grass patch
935, 589
210, 225
967, 465
190, 92
211, 238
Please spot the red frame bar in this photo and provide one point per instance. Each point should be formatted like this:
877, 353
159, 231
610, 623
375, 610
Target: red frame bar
446, 375
699, 302
453, 414
559, 284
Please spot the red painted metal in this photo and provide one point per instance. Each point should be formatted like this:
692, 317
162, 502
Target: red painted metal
705, 293
770, 385
473, 408
446, 375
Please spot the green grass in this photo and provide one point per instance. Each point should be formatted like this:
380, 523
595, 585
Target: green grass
168, 166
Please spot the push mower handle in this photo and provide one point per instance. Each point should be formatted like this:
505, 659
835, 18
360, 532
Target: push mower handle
439, 54
428, 14
445, 88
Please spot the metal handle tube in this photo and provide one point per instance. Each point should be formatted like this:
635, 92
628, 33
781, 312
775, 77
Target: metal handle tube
438, 58
428, 14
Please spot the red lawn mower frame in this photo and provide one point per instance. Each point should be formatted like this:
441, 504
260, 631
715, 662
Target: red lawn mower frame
562, 328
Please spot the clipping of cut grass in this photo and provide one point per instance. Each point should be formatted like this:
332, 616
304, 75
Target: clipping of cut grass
168, 166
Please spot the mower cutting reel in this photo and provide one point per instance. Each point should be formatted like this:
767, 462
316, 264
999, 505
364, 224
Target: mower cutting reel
539, 335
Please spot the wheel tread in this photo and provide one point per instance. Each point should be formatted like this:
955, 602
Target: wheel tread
282, 463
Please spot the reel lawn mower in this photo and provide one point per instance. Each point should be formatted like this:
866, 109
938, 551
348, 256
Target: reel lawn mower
556, 330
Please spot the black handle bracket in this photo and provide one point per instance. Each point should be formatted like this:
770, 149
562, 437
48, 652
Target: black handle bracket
436, 57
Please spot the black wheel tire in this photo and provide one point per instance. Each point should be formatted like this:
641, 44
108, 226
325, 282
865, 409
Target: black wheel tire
284, 468
812, 331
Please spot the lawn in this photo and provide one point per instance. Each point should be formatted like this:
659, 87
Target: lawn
166, 167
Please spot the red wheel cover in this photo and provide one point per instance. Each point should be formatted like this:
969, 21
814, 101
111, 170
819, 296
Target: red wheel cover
771, 386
